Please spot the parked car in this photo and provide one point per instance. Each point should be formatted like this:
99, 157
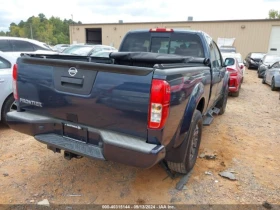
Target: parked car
238, 56
7, 101
15, 46
103, 53
60, 47
87, 50
235, 76
119, 108
267, 61
272, 76
253, 59
227, 49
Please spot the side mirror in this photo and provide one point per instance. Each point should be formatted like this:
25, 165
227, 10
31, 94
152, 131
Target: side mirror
244, 62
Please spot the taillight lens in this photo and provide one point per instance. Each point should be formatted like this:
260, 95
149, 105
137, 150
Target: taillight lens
15, 82
159, 104
232, 72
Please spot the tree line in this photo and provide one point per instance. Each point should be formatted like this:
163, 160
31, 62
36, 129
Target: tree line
56, 31
274, 14
51, 31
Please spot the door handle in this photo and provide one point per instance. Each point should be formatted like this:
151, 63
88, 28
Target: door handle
2, 80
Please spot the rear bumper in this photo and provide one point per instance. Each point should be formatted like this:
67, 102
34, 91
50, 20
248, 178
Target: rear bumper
233, 84
107, 145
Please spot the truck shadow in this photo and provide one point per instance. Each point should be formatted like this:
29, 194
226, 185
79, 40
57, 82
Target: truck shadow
3, 127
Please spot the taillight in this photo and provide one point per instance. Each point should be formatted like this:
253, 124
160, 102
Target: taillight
161, 30
232, 72
159, 104
15, 82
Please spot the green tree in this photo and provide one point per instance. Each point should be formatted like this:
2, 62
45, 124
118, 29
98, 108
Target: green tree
274, 14
2, 33
52, 31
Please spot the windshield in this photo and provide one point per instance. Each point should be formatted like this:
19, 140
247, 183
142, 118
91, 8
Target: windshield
78, 50
271, 59
185, 44
101, 54
70, 49
237, 56
81, 51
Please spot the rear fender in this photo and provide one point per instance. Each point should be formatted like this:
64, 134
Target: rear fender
177, 153
195, 97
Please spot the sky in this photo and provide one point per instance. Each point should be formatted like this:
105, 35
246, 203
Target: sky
110, 11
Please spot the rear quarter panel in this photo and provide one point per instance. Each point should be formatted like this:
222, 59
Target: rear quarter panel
195, 85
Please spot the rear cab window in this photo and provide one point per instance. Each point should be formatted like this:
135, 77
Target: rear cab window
185, 44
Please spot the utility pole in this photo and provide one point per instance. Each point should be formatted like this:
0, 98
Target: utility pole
72, 33
31, 31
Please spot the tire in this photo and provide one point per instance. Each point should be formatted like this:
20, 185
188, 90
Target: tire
236, 94
259, 76
273, 88
9, 105
194, 139
222, 103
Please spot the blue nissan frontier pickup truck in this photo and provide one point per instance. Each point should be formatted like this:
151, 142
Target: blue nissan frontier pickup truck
144, 104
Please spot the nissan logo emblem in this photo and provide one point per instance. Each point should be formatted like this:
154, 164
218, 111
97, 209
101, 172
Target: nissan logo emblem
72, 71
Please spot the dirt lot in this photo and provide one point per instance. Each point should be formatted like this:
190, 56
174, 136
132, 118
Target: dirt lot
246, 140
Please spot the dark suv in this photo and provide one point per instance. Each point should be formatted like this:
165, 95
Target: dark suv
253, 59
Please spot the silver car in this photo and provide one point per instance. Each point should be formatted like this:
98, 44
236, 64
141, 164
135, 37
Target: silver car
272, 76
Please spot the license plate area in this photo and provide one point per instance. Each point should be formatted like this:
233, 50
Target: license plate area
75, 132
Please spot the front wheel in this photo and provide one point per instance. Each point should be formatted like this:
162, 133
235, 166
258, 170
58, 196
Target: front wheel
193, 142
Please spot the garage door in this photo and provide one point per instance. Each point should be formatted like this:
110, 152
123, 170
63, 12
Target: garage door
274, 42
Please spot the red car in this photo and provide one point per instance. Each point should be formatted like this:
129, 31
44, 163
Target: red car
236, 76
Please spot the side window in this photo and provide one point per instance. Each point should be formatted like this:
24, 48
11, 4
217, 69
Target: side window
5, 46
276, 65
213, 56
22, 46
218, 55
4, 64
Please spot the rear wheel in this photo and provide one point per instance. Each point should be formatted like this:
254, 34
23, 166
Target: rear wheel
9, 105
273, 88
236, 94
193, 142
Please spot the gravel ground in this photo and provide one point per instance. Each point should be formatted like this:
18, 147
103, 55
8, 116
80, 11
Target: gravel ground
245, 140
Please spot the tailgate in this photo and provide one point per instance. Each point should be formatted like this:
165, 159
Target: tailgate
104, 96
